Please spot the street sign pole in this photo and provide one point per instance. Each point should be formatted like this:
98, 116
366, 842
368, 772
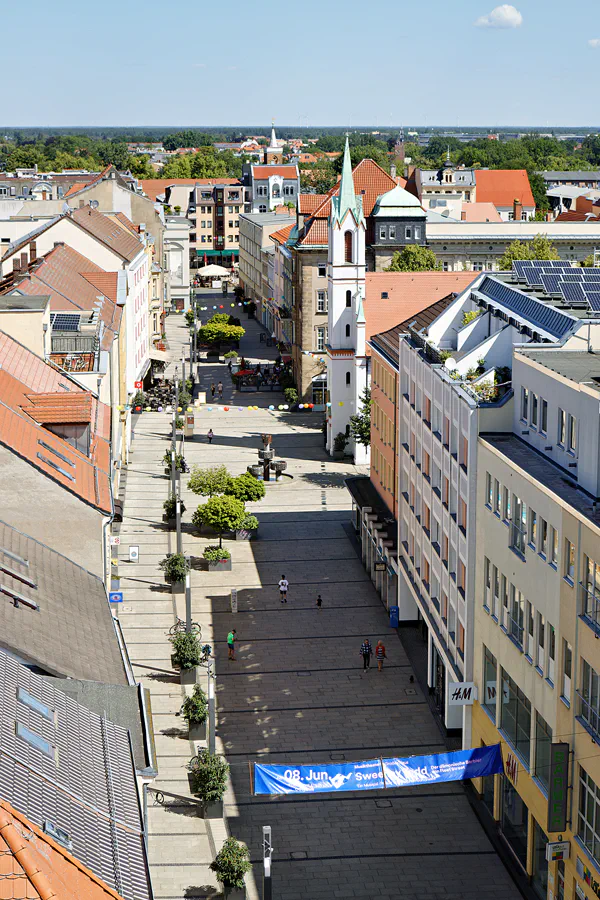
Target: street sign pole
211, 710
267, 853
178, 515
188, 602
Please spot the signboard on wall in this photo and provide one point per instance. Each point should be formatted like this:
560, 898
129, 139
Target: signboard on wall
462, 693
558, 786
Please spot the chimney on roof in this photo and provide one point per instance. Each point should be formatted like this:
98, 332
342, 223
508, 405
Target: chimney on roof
142, 227
16, 265
32, 251
410, 169
393, 171
59, 244
24, 258
517, 210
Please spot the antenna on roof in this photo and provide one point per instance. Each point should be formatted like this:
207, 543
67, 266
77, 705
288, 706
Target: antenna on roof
451, 364
94, 204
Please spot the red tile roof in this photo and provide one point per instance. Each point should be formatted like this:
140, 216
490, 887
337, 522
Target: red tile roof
111, 233
480, 212
154, 186
503, 186
34, 391
35, 867
572, 215
75, 188
263, 172
408, 293
281, 236
308, 158
307, 203
315, 233
126, 222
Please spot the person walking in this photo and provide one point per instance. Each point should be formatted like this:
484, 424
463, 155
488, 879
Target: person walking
366, 652
283, 587
210, 435
380, 655
212, 390
220, 390
231, 639
319, 602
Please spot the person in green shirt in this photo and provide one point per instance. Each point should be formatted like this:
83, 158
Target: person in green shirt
231, 643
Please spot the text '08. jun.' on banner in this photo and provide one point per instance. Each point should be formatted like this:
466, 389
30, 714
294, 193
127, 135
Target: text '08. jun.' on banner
375, 774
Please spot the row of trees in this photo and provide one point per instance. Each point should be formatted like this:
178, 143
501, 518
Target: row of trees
206, 163
225, 508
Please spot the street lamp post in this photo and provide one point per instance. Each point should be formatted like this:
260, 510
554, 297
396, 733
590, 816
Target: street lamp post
267, 854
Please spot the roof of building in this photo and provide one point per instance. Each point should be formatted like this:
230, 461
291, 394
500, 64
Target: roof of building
571, 176
65, 765
261, 173
551, 323
573, 215
106, 229
503, 186
14, 302
308, 203
580, 366
268, 218
462, 178
393, 296
72, 605
479, 212
33, 866
152, 187
31, 388
389, 341
398, 203
281, 236
539, 468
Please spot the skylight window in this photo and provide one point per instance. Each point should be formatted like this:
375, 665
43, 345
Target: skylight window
56, 453
59, 834
32, 702
58, 468
35, 740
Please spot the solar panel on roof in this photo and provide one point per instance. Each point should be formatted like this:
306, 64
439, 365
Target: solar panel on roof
65, 321
550, 282
572, 291
593, 299
591, 275
571, 276
541, 316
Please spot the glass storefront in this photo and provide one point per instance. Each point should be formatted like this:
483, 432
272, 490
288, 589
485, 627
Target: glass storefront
513, 820
439, 681
539, 879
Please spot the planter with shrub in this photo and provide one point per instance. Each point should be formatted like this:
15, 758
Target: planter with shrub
231, 864
170, 509
247, 529
221, 513
208, 779
339, 445
218, 559
175, 566
245, 487
179, 462
291, 395
186, 654
195, 710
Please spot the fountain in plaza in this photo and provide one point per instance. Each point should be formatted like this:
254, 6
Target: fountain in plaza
268, 467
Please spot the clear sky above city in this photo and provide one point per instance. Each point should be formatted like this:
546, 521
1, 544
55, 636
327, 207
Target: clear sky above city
338, 62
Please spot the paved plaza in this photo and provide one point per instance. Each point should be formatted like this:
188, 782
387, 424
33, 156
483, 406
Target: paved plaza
296, 691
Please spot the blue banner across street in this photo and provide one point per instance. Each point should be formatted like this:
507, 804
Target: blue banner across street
374, 774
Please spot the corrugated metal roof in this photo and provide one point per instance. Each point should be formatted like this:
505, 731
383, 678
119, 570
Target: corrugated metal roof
86, 785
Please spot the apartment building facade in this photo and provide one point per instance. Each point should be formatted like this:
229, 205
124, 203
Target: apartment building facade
536, 624
214, 212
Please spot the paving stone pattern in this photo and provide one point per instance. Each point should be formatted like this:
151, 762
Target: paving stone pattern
296, 691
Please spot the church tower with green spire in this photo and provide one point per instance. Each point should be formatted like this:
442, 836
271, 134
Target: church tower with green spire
346, 359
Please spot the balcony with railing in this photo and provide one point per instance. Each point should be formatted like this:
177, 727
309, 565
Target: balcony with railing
589, 605
517, 538
589, 716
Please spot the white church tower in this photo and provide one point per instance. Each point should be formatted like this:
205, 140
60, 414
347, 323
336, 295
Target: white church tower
346, 359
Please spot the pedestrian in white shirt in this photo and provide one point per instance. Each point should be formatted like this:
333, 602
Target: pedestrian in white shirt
283, 586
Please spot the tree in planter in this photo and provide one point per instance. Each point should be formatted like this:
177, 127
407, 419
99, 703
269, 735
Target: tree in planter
195, 708
221, 513
215, 333
246, 488
250, 523
209, 482
189, 316
219, 319
231, 864
179, 460
209, 776
184, 399
291, 395
339, 442
139, 399
360, 424
187, 651
170, 507
215, 554
231, 354
175, 567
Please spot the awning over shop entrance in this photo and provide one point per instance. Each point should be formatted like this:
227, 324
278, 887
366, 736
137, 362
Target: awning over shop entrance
200, 252
158, 355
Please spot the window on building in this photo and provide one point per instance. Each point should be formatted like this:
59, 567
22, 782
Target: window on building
348, 377
517, 615
589, 697
532, 537
525, 404
572, 434
489, 493
348, 250
504, 601
495, 591
529, 624
426, 464
392, 232
588, 829
516, 717
425, 574
348, 298
321, 301
543, 416
382, 233
426, 410
446, 492
562, 427
551, 653
408, 232
518, 525
460, 644
347, 331
539, 878
567, 664
490, 675
497, 497
417, 232
569, 570
464, 453
506, 506
543, 538
444, 607
262, 208
322, 271
554, 548
534, 410
543, 740
462, 577
446, 436
320, 338
462, 515
514, 819
540, 652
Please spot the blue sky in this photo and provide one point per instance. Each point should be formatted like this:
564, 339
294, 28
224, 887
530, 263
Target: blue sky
314, 62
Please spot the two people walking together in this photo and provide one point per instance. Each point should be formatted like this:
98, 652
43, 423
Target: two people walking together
366, 651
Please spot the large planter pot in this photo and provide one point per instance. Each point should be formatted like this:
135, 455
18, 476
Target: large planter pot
189, 676
255, 470
198, 731
266, 454
178, 587
168, 520
245, 534
338, 454
213, 810
223, 565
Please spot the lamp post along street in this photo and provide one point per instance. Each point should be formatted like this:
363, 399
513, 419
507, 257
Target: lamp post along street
211, 711
178, 515
188, 602
183, 369
267, 854
173, 476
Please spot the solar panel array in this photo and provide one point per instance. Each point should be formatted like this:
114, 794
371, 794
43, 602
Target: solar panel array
576, 286
65, 321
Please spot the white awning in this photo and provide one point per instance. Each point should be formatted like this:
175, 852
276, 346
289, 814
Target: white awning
158, 355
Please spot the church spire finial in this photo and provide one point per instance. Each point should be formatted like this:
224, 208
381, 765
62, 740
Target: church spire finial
273, 136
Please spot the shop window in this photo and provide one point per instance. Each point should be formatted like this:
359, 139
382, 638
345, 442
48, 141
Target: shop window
514, 817
543, 740
490, 675
516, 717
588, 824
539, 879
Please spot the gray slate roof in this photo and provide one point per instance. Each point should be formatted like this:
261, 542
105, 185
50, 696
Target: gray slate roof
72, 633
571, 176
84, 785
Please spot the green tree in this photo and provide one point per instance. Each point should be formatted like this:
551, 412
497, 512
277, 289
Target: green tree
178, 167
414, 258
231, 863
221, 513
539, 248
208, 482
216, 333
319, 177
360, 423
140, 167
246, 488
